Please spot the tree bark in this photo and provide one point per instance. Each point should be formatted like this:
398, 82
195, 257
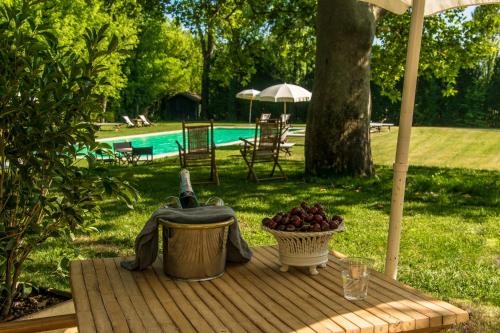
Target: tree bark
337, 135
207, 46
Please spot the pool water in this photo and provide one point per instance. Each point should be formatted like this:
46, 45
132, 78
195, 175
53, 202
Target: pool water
165, 143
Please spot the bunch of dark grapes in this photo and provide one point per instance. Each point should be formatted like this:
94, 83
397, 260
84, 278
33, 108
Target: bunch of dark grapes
303, 218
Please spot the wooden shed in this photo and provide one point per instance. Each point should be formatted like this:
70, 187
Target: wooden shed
182, 106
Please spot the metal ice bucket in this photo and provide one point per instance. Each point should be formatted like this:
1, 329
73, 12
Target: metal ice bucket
194, 252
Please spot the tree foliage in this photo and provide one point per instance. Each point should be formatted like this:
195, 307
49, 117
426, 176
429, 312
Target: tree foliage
208, 20
457, 72
166, 61
48, 93
450, 43
68, 18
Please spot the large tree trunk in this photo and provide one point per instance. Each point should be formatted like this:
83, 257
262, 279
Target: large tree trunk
205, 88
337, 135
207, 46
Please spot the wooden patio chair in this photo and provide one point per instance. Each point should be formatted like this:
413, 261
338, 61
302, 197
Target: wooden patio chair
198, 148
265, 148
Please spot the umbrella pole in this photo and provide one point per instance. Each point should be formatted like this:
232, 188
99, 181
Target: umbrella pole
404, 133
284, 107
250, 114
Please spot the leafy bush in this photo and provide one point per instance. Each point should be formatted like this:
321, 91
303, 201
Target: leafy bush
46, 99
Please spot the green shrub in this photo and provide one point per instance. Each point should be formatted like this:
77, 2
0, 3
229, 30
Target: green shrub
46, 99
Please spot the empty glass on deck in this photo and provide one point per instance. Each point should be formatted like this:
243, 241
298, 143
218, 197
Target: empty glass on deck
355, 277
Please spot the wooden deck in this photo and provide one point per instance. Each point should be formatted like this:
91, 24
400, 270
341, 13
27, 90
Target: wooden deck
255, 297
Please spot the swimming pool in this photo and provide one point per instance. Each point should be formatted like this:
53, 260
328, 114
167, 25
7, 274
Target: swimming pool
164, 143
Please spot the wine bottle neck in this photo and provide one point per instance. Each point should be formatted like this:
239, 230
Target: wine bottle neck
185, 181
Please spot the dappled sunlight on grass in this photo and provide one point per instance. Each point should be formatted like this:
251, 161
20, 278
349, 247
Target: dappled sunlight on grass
449, 243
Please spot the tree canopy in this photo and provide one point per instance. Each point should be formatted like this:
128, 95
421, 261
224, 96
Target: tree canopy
216, 48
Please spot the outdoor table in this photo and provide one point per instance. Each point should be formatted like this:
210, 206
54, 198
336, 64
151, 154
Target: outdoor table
252, 297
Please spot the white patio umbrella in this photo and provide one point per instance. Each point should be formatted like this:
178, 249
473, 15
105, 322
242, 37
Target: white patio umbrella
249, 94
419, 10
284, 93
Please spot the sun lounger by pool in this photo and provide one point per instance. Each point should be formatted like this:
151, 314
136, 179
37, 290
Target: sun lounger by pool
129, 122
145, 121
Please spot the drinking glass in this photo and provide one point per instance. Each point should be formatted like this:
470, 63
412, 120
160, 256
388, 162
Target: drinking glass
172, 202
214, 201
355, 277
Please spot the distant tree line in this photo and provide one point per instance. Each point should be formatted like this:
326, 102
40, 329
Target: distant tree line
217, 48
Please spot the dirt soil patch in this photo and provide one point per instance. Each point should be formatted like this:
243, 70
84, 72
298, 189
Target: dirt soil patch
37, 300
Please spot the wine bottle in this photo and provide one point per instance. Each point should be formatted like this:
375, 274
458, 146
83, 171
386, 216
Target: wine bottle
187, 197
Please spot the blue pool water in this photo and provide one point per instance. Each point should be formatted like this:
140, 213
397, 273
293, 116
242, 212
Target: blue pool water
165, 143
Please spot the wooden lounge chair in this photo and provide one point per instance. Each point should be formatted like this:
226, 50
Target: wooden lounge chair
264, 149
129, 122
145, 121
198, 148
264, 117
141, 154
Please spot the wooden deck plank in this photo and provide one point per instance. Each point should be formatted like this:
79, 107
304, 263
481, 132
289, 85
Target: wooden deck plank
408, 293
435, 318
220, 311
260, 321
236, 312
253, 297
99, 313
438, 315
216, 324
197, 321
460, 315
153, 303
84, 316
326, 296
321, 312
423, 315
255, 303
137, 299
167, 301
374, 299
115, 313
338, 304
131, 316
398, 320
272, 304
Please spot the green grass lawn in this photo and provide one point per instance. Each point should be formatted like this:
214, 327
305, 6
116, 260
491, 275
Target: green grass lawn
450, 243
